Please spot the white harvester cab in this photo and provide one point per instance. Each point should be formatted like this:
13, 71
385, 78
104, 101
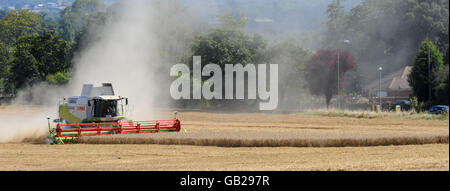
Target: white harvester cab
96, 104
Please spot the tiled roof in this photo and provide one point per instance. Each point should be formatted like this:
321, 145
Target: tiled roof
397, 80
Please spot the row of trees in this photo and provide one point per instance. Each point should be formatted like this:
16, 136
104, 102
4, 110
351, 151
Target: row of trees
299, 69
35, 48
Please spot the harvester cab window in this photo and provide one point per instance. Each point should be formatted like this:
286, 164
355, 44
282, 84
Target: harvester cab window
102, 108
73, 100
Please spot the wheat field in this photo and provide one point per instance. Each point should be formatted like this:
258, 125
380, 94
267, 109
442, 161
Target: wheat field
259, 140
153, 157
297, 130
241, 141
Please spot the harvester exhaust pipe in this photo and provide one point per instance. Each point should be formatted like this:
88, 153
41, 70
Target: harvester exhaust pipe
48, 121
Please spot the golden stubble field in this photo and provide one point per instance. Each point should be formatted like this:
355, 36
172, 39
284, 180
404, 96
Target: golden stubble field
32, 156
187, 158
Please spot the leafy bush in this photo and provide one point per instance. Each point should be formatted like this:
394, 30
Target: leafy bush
59, 78
414, 104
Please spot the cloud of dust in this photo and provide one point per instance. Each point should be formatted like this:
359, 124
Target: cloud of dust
123, 55
20, 123
25, 119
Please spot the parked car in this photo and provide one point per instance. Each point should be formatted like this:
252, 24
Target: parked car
438, 109
404, 104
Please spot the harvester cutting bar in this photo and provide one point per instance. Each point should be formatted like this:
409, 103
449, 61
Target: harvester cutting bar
92, 129
149, 126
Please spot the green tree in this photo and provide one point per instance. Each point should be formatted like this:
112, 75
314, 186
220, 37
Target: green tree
228, 21
74, 19
441, 87
24, 69
419, 78
334, 34
414, 104
4, 60
5, 65
52, 52
38, 56
228, 43
59, 78
17, 23
47, 23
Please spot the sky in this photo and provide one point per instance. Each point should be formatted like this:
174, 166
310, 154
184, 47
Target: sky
263, 15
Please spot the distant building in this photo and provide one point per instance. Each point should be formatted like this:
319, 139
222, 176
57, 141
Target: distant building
394, 86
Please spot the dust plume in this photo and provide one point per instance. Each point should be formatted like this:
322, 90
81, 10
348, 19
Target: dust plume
25, 119
123, 55
22, 123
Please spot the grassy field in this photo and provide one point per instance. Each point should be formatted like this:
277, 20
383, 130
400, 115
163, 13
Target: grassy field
379, 115
244, 127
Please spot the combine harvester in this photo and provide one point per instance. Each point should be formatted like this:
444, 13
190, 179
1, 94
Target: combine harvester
98, 111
